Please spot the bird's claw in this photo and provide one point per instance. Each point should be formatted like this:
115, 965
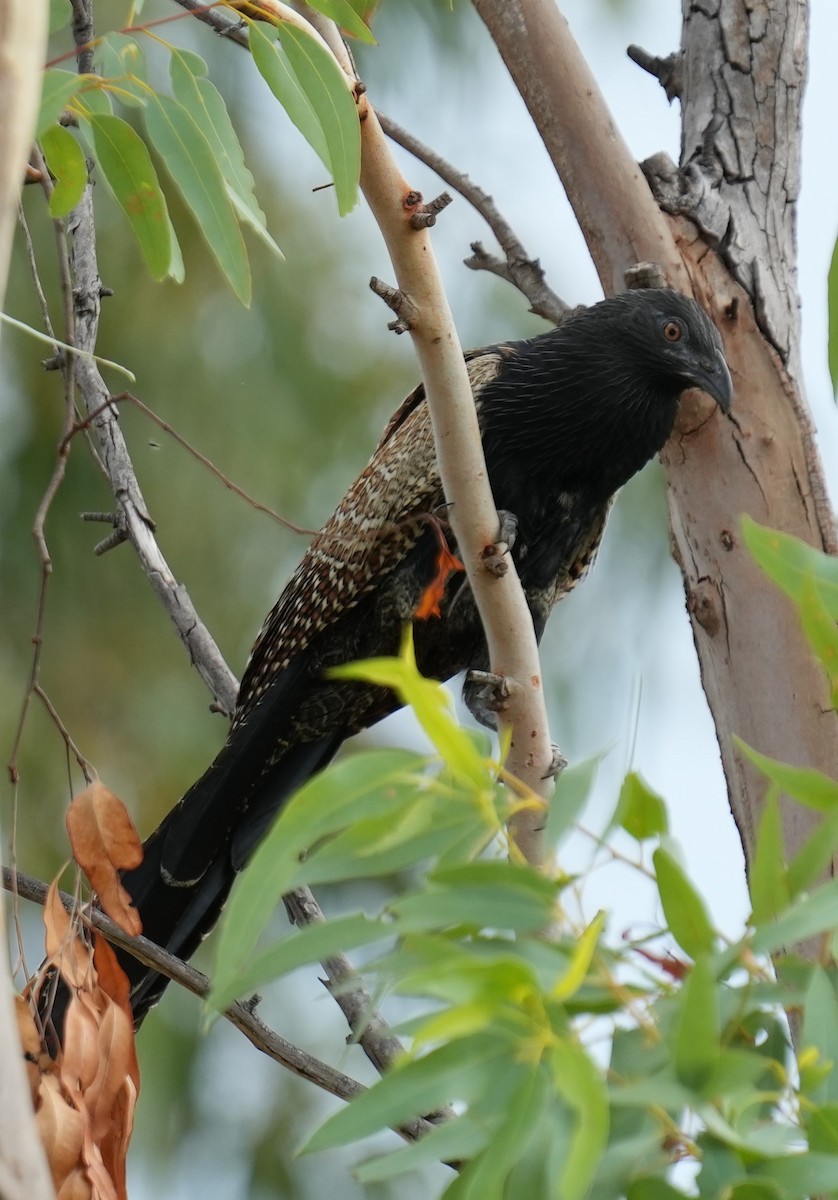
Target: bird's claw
494, 556
557, 763
486, 694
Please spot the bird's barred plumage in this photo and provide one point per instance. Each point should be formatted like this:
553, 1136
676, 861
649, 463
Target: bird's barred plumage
566, 419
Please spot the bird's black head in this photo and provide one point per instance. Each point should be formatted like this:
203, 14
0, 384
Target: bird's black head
669, 337
590, 402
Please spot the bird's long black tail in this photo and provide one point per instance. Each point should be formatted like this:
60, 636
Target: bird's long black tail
178, 914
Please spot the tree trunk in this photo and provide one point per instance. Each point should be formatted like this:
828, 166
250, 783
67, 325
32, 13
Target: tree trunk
729, 238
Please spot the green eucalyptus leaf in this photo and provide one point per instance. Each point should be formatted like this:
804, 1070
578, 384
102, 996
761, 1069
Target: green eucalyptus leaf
67, 164
767, 879
791, 562
126, 164
806, 917
191, 163
463, 1070
573, 788
346, 17
58, 89
641, 811
325, 86
697, 1042
805, 784
275, 69
205, 104
683, 907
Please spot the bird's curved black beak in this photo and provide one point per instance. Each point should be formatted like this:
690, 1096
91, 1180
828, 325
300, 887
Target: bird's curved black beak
713, 377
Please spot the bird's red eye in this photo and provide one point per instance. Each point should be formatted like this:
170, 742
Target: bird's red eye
672, 331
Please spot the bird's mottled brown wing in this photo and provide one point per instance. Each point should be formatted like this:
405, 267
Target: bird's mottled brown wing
379, 520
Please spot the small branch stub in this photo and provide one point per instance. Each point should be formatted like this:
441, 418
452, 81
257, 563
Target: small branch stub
401, 304
120, 530
426, 214
668, 71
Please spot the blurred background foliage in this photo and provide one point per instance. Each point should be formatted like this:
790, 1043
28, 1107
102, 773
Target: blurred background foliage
288, 400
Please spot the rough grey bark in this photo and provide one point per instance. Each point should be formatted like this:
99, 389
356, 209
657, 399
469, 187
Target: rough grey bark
743, 71
730, 240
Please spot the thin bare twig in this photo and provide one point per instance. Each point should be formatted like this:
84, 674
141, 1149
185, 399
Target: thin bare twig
516, 267
209, 464
240, 1014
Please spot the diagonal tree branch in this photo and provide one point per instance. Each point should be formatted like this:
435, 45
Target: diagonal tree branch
242, 1015
500, 600
516, 267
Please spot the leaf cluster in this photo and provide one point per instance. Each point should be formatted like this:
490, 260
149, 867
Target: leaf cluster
190, 130
574, 1067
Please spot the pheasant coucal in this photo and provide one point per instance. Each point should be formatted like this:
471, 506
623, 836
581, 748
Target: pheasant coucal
566, 419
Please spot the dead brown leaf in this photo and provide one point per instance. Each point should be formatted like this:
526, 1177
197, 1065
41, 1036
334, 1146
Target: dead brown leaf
105, 842
85, 1099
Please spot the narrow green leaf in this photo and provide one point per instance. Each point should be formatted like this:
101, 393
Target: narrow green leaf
572, 791
813, 859
325, 85
127, 166
311, 944
790, 562
274, 68
93, 100
349, 789
721, 1168
501, 875
473, 978
822, 1128
820, 1029
386, 844
573, 978
767, 879
821, 629
464, 1070
432, 707
58, 89
805, 784
193, 62
457, 1140
804, 918
247, 217
177, 270
345, 16
802, 1175
206, 106
832, 307
475, 906
698, 1029
190, 162
755, 1188
66, 161
121, 63
60, 13
517, 1120
581, 1085
641, 811
683, 907
654, 1089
